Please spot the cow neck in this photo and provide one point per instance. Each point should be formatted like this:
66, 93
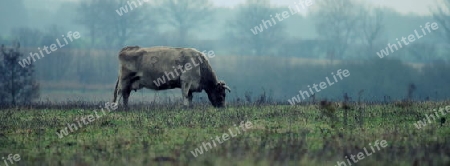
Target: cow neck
211, 85
209, 79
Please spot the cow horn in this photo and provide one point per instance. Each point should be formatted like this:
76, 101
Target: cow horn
227, 88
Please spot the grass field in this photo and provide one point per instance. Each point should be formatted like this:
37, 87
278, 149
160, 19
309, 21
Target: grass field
279, 135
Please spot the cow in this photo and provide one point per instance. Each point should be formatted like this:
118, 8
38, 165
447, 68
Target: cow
161, 68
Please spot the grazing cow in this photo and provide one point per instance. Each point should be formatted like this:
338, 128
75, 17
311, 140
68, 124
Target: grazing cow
161, 68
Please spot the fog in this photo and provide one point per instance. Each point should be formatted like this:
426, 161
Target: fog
263, 48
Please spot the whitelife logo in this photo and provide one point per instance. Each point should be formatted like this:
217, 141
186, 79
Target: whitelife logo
90, 118
53, 47
362, 155
124, 9
411, 38
322, 85
422, 123
188, 66
284, 15
206, 146
10, 158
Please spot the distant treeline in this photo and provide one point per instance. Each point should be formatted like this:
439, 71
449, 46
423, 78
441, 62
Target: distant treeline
280, 78
333, 31
384, 79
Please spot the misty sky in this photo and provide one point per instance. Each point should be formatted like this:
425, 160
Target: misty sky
420, 7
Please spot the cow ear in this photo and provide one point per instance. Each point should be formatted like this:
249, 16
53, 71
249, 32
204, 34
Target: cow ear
222, 83
219, 85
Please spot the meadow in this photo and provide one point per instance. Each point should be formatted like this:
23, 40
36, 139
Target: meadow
158, 134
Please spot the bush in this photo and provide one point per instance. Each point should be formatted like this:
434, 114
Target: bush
17, 83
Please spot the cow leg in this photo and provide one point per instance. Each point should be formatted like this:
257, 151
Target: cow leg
125, 90
125, 94
190, 98
185, 86
125, 83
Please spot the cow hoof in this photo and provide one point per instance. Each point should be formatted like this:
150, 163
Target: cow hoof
125, 108
187, 107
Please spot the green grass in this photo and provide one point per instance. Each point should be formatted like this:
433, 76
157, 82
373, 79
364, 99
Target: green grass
281, 135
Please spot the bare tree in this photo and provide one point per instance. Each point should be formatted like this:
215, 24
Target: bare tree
423, 51
253, 28
114, 22
372, 27
442, 15
28, 37
139, 20
336, 23
89, 16
184, 15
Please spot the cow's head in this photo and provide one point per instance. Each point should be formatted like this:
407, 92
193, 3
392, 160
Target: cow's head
218, 94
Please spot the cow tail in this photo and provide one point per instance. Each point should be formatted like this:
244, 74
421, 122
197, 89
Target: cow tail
115, 90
